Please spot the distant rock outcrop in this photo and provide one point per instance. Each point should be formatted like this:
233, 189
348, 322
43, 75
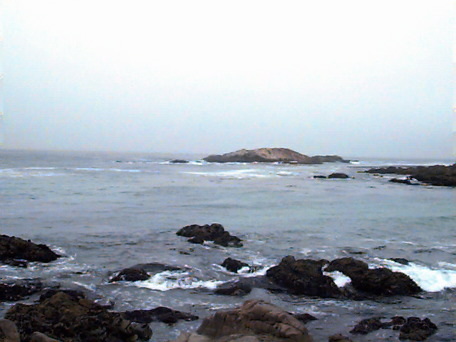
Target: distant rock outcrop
270, 155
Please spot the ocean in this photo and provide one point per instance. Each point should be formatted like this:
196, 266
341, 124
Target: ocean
107, 211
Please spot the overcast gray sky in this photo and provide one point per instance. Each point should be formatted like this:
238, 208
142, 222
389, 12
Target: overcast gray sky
352, 77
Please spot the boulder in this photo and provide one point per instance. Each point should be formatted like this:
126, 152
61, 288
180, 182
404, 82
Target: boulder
304, 277
254, 321
338, 175
8, 331
367, 325
13, 291
416, 329
160, 314
238, 288
130, 274
267, 155
305, 317
379, 281
69, 319
14, 248
233, 265
214, 232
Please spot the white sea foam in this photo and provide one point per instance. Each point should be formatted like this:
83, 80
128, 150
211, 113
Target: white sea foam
429, 279
170, 280
339, 278
245, 174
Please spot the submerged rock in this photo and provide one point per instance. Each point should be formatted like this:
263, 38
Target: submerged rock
14, 248
142, 272
69, 319
416, 329
161, 314
378, 281
367, 325
13, 291
233, 265
338, 175
438, 175
179, 161
254, 321
304, 277
214, 232
238, 288
339, 338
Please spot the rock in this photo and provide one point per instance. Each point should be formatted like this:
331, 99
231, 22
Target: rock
402, 181
234, 289
14, 248
379, 281
39, 337
131, 274
16, 263
77, 320
268, 155
75, 294
367, 325
400, 261
416, 329
305, 317
320, 177
339, 338
8, 331
254, 321
179, 161
338, 175
233, 265
214, 232
12, 291
438, 175
160, 314
304, 277
329, 159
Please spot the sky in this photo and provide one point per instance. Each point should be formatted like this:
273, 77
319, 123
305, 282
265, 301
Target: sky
353, 78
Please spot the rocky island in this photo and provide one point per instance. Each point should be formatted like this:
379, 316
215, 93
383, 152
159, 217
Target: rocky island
271, 155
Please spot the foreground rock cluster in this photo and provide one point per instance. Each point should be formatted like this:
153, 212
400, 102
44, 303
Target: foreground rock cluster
438, 175
68, 316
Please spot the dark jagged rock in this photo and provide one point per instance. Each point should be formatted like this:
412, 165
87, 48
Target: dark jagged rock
339, 338
233, 265
367, 325
131, 274
179, 161
402, 181
214, 232
338, 175
254, 321
8, 331
271, 155
13, 291
379, 281
68, 319
438, 175
238, 288
305, 317
304, 277
160, 314
400, 261
416, 329
14, 248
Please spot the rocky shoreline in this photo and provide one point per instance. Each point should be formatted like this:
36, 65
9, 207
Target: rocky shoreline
68, 315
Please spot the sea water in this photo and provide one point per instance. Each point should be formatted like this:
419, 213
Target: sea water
108, 211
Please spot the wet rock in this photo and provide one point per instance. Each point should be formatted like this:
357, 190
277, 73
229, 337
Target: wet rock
328, 159
233, 265
159, 314
254, 321
400, 261
14, 248
13, 291
438, 175
214, 232
179, 161
367, 325
305, 317
320, 177
339, 338
379, 281
402, 181
39, 337
338, 175
131, 274
75, 294
16, 263
234, 289
68, 319
8, 331
304, 277
416, 329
